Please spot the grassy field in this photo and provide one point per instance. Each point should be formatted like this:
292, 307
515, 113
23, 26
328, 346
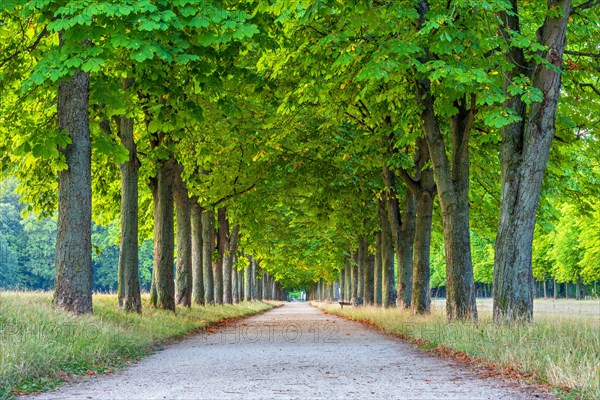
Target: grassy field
39, 346
561, 348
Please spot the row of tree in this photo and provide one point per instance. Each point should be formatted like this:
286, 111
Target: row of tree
317, 137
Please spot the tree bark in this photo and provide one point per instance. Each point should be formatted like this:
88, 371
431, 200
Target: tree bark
73, 283
207, 251
226, 253
235, 294
407, 238
162, 292
524, 154
248, 281
218, 242
453, 190
348, 278
388, 292
197, 249
421, 297
423, 188
253, 278
377, 273
354, 277
129, 285
183, 277
369, 277
362, 261
394, 223
342, 283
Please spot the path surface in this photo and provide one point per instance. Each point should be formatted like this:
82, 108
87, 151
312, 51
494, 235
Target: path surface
294, 351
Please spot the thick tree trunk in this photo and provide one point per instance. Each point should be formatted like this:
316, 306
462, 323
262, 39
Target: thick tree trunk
253, 291
342, 283
162, 293
235, 294
377, 273
248, 280
348, 278
555, 289
217, 260
369, 279
388, 291
354, 277
578, 288
224, 253
524, 154
183, 277
207, 251
407, 238
73, 283
394, 223
197, 249
129, 285
362, 260
240, 274
545, 288
423, 188
421, 298
453, 190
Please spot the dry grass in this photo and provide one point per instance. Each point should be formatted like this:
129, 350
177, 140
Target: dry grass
562, 350
40, 345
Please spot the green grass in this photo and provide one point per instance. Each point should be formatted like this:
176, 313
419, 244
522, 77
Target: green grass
40, 345
561, 350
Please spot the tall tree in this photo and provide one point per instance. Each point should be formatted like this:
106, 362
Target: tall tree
524, 154
73, 283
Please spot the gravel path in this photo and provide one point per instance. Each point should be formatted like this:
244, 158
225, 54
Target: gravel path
294, 351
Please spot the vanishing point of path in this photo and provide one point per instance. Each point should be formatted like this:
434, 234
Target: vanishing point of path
294, 351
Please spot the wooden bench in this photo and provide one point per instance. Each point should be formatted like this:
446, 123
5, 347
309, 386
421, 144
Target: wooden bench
345, 303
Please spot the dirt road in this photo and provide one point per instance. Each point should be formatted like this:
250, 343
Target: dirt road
292, 352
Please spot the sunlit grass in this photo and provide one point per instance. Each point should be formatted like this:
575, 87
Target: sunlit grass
39, 344
563, 350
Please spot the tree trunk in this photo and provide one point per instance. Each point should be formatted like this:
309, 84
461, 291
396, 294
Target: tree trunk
224, 254
253, 279
377, 270
452, 180
207, 251
73, 283
423, 188
348, 278
354, 276
162, 293
129, 285
197, 249
421, 298
248, 281
407, 238
369, 279
235, 294
388, 291
362, 260
394, 223
524, 151
183, 277
217, 259
555, 289
342, 283
578, 288
545, 288
240, 274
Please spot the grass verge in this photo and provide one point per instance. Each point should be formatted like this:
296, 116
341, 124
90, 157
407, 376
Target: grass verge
558, 350
40, 347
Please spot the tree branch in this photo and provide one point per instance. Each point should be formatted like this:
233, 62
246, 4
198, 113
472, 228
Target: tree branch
412, 185
585, 6
582, 53
28, 48
232, 195
594, 88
